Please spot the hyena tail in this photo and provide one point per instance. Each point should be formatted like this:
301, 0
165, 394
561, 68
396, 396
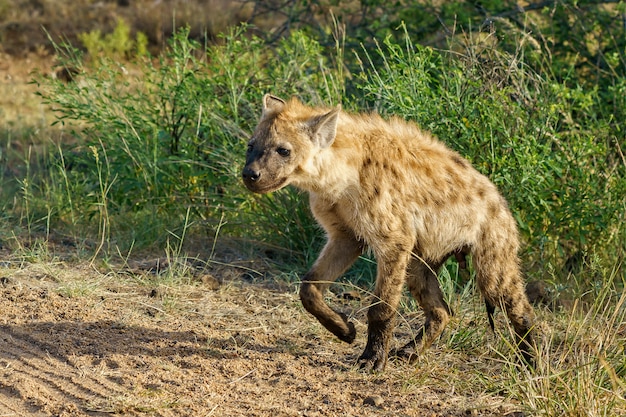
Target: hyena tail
491, 309
499, 279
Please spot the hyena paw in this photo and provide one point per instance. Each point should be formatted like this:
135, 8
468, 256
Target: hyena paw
409, 355
349, 335
373, 360
410, 351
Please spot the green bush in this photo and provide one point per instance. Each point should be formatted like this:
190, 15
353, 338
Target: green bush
174, 136
117, 45
171, 139
523, 130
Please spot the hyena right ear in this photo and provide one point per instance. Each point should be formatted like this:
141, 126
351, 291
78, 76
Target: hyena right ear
324, 127
272, 104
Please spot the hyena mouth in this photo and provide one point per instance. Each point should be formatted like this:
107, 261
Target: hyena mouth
262, 188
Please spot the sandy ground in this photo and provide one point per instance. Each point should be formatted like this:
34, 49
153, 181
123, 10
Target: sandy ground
76, 341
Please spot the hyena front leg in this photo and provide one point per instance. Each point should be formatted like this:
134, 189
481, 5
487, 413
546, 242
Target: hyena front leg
340, 252
381, 316
424, 286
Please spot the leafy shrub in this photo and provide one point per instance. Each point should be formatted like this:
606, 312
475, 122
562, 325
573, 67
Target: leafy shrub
170, 139
117, 45
174, 136
523, 131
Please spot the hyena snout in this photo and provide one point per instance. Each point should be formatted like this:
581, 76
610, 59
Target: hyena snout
250, 175
254, 177
263, 178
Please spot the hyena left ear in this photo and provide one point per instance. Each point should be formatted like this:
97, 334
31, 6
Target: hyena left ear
272, 104
324, 127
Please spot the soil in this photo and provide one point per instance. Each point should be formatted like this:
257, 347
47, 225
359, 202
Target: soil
227, 340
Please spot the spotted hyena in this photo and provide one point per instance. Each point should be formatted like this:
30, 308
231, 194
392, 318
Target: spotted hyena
389, 186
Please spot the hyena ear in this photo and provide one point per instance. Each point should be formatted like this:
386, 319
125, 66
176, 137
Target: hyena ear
324, 127
272, 104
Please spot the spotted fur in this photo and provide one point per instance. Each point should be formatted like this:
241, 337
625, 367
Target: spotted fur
389, 186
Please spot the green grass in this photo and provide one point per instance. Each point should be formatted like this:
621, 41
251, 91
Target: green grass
581, 366
155, 146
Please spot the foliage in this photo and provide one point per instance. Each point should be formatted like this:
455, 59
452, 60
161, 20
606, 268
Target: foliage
172, 137
523, 131
153, 139
117, 45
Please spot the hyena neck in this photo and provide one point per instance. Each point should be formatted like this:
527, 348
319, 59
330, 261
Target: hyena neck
333, 172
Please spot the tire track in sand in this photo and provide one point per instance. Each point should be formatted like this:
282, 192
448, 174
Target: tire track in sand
37, 380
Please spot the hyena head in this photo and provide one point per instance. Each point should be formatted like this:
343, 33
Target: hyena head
285, 143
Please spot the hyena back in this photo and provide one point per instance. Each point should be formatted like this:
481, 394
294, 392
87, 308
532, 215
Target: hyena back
393, 188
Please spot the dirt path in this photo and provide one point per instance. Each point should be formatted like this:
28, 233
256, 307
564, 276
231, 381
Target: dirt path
77, 342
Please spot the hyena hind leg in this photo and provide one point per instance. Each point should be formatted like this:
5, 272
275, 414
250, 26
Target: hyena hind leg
461, 258
520, 313
511, 297
424, 287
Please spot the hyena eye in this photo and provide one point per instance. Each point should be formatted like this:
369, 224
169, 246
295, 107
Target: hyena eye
283, 152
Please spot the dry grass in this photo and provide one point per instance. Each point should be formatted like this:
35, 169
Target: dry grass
79, 340
130, 342
21, 21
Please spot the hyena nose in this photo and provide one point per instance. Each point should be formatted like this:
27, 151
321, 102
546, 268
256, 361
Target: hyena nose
250, 175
